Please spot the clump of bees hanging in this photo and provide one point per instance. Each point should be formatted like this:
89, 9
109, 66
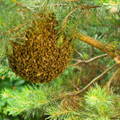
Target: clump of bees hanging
41, 58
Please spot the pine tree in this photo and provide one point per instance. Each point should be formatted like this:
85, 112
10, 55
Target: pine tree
74, 27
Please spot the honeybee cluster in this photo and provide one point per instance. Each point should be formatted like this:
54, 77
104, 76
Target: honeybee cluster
40, 59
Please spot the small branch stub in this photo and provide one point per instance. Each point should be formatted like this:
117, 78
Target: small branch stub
117, 59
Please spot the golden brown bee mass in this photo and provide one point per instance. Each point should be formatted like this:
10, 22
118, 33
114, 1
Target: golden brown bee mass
40, 59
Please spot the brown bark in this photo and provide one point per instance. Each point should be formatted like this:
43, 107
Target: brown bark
95, 43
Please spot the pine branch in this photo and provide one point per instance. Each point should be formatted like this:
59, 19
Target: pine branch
30, 98
82, 7
93, 42
87, 39
89, 84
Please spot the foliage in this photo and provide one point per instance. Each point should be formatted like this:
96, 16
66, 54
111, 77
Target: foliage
100, 102
98, 19
7, 76
33, 102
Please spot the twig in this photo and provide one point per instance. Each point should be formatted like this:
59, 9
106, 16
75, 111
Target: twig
90, 60
97, 78
66, 18
74, 93
93, 81
71, 0
115, 74
58, 5
82, 7
81, 56
116, 117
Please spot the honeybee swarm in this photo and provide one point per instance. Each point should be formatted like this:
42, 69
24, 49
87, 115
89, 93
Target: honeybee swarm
39, 59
